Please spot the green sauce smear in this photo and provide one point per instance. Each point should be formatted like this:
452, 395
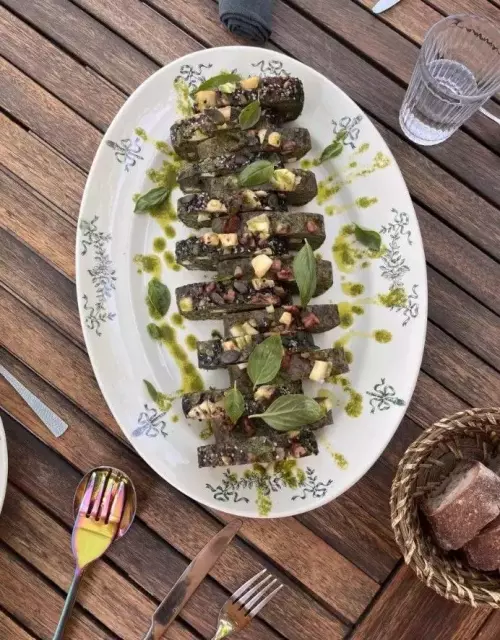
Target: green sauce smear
353, 288
364, 202
141, 134
148, 264
334, 183
177, 319
191, 342
382, 336
395, 298
190, 377
341, 461
159, 244
184, 104
348, 253
169, 258
174, 419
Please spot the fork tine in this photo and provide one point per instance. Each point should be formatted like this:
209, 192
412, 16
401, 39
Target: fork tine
259, 595
246, 596
116, 510
87, 496
98, 497
247, 584
262, 604
104, 508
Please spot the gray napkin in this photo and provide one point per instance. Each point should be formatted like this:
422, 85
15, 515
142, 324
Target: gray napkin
247, 18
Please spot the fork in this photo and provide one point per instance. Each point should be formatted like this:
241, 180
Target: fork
245, 604
96, 526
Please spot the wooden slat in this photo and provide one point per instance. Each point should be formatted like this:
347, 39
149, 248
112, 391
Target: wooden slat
408, 610
200, 18
411, 18
460, 370
43, 169
10, 630
75, 85
142, 555
143, 27
372, 549
46, 545
489, 631
37, 225
431, 401
461, 261
22, 270
47, 117
80, 34
466, 320
32, 601
187, 527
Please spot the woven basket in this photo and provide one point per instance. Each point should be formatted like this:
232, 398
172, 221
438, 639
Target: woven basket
468, 435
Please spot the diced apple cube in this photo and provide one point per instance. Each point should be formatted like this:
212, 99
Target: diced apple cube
228, 239
261, 265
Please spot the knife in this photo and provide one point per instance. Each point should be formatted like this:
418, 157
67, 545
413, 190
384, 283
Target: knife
190, 580
383, 5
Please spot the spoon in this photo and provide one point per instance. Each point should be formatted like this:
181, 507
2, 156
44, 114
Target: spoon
104, 505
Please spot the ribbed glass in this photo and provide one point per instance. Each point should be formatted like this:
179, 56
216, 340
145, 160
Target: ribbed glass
457, 71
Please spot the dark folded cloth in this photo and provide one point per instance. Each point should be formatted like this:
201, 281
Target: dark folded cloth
247, 18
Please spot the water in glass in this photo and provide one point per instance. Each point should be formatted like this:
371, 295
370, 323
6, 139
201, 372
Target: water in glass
458, 69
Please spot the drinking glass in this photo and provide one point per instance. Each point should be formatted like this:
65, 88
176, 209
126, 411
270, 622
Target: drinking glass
457, 71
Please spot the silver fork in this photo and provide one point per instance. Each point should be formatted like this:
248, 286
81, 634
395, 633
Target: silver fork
245, 604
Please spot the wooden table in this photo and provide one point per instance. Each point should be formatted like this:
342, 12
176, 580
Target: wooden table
67, 67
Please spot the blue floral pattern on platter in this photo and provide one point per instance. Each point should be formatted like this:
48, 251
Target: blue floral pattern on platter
96, 311
383, 397
231, 486
394, 264
150, 423
350, 126
126, 151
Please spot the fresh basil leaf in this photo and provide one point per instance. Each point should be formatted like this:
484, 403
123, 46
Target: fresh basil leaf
234, 404
215, 81
250, 115
291, 412
153, 393
152, 199
154, 331
265, 360
259, 172
331, 151
335, 149
158, 298
163, 401
368, 237
305, 273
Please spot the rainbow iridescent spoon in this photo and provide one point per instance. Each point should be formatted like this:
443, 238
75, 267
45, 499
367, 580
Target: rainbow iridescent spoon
104, 505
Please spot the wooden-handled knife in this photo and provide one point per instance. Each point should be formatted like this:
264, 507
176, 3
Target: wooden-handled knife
190, 580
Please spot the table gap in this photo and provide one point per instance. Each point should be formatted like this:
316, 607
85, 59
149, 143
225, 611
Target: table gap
375, 599
20, 624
